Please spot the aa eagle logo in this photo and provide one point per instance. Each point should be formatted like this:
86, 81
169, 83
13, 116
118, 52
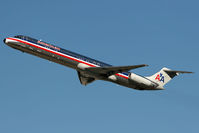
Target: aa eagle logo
160, 77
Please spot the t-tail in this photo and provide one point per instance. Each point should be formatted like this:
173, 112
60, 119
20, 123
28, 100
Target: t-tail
164, 76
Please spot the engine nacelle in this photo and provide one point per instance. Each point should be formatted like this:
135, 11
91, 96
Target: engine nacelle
140, 80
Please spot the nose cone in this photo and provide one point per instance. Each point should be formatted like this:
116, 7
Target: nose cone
4, 40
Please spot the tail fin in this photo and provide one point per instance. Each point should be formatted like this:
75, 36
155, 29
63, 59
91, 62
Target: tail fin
164, 76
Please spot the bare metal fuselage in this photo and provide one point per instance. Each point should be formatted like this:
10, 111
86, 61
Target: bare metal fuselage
78, 62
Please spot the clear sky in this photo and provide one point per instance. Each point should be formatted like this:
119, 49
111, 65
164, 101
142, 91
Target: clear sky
38, 96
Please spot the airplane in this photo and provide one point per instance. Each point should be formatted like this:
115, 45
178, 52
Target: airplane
89, 69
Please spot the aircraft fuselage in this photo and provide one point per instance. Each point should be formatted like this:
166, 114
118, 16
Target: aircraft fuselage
78, 62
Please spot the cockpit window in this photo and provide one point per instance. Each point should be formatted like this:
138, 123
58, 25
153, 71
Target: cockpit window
19, 36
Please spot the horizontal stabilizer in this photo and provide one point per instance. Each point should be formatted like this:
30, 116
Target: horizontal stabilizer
113, 70
173, 71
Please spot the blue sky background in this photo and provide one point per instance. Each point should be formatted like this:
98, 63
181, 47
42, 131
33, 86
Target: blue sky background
40, 96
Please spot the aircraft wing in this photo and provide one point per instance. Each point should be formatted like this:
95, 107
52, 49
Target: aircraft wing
113, 70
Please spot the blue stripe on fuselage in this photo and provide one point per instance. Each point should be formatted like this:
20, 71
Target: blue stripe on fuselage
75, 55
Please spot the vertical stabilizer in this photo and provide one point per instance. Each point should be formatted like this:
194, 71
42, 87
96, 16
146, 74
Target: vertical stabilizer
164, 76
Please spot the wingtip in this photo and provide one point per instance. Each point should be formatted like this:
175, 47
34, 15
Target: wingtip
142, 65
189, 72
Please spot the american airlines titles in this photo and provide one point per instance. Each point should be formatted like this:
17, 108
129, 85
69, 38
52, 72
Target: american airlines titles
48, 45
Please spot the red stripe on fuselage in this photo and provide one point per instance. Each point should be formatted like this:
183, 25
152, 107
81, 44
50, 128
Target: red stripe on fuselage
40, 47
51, 51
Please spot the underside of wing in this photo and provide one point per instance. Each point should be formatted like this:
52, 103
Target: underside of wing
113, 70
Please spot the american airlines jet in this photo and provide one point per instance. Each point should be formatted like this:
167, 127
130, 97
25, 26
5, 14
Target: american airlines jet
88, 69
